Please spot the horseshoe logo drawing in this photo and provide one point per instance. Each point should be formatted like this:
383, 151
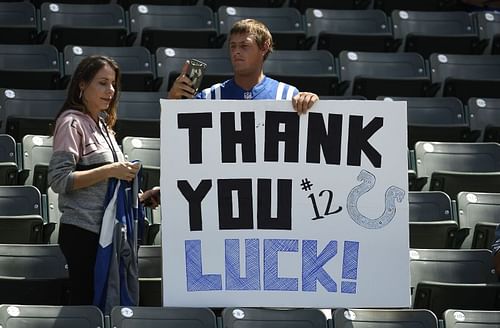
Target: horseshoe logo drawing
392, 194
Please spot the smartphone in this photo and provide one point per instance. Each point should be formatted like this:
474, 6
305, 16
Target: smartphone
195, 72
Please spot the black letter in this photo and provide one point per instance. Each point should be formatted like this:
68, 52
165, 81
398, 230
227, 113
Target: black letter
194, 198
284, 219
245, 208
290, 136
194, 123
318, 138
230, 137
358, 140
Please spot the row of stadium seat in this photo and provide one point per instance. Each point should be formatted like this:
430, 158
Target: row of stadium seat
154, 26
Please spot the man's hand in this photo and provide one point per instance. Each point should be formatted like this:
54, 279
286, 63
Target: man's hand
303, 101
150, 198
182, 86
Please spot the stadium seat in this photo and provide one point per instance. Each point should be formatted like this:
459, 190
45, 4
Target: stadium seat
489, 30
312, 70
37, 151
53, 214
33, 274
29, 66
39, 316
18, 23
150, 275
354, 30
436, 119
8, 160
157, 317
136, 64
27, 111
383, 318
484, 235
470, 266
484, 117
471, 318
169, 62
429, 206
272, 318
303, 5
83, 24
474, 208
38, 3
215, 4
373, 74
154, 26
446, 32
285, 24
456, 156
21, 220
439, 296
148, 151
466, 76
138, 115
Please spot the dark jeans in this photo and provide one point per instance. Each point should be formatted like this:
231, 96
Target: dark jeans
79, 246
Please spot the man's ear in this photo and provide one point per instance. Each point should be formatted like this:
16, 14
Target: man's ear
265, 48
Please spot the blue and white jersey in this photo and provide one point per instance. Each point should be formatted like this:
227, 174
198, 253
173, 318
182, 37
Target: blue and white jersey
266, 89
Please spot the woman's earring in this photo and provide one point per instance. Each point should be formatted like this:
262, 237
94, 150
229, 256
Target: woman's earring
81, 93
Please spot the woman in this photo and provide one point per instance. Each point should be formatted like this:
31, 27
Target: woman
85, 155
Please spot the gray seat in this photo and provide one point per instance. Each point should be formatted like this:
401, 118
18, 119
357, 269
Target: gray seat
273, 318
37, 151
33, 274
38, 316
80, 24
471, 318
154, 26
156, 317
29, 111
383, 318
215, 4
466, 76
29, 66
353, 30
416, 5
489, 30
374, 74
18, 23
303, 5
484, 235
136, 64
484, 117
445, 32
8, 160
474, 208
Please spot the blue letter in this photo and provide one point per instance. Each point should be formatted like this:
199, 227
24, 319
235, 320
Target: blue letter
196, 280
271, 279
234, 281
350, 267
312, 265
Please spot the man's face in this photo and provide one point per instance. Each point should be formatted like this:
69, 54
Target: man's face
246, 56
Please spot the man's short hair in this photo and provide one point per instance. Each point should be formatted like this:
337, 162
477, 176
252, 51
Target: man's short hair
257, 29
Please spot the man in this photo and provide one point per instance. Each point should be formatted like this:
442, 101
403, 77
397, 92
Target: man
250, 42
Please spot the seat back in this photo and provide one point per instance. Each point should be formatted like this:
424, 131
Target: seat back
148, 151
303, 5
383, 318
8, 160
272, 318
476, 207
488, 23
37, 151
355, 30
18, 23
215, 4
312, 70
156, 317
155, 26
38, 316
64, 24
373, 74
471, 318
428, 206
453, 183
29, 66
484, 116
136, 64
457, 157
150, 261
29, 111
416, 5
484, 235
285, 24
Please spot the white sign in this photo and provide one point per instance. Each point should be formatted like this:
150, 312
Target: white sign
262, 207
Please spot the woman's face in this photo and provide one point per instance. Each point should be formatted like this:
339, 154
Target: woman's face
97, 94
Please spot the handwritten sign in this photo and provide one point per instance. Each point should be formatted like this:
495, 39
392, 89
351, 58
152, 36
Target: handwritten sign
263, 207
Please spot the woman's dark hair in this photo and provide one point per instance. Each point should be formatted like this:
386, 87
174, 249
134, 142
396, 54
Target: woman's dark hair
85, 72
